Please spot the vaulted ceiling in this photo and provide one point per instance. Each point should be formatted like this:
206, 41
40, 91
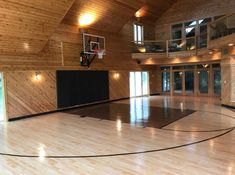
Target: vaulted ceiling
26, 25
155, 8
111, 15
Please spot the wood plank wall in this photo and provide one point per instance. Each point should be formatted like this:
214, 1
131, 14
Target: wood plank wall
25, 95
155, 81
228, 79
118, 46
119, 84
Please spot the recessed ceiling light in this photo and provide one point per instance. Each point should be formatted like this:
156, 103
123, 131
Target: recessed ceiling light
210, 52
230, 44
26, 45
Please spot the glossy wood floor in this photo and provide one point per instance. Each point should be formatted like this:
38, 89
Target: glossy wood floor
62, 143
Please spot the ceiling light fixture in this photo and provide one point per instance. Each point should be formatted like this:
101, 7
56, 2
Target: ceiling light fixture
138, 14
141, 12
230, 44
86, 19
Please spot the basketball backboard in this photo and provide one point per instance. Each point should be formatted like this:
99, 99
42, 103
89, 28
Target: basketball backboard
93, 43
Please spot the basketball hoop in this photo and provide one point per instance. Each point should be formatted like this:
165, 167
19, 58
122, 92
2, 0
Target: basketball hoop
100, 53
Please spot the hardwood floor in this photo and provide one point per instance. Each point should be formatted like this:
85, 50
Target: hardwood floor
62, 143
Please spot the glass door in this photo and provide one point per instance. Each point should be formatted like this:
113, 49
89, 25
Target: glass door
165, 81
145, 83
203, 81
139, 84
2, 107
189, 82
178, 82
217, 82
132, 84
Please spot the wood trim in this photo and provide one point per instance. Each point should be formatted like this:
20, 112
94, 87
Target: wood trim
62, 53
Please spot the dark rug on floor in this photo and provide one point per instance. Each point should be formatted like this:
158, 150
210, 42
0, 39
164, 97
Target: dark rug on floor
146, 116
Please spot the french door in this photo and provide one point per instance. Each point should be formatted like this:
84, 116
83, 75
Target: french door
183, 82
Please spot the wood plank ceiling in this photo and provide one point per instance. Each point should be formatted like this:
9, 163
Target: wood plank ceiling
155, 8
112, 15
26, 25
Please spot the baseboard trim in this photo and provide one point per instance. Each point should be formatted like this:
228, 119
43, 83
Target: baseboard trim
155, 94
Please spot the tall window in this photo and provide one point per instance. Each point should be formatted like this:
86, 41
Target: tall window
187, 31
138, 33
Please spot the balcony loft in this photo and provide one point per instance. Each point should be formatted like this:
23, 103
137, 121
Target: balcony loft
207, 47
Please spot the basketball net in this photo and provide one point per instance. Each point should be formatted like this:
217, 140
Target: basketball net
100, 53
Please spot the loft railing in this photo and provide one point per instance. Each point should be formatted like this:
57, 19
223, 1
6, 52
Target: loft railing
149, 47
186, 44
168, 46
222, 27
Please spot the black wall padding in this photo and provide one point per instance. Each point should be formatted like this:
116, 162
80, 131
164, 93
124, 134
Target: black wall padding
80, 87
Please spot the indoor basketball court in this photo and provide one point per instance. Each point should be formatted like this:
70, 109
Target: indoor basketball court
114, 87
